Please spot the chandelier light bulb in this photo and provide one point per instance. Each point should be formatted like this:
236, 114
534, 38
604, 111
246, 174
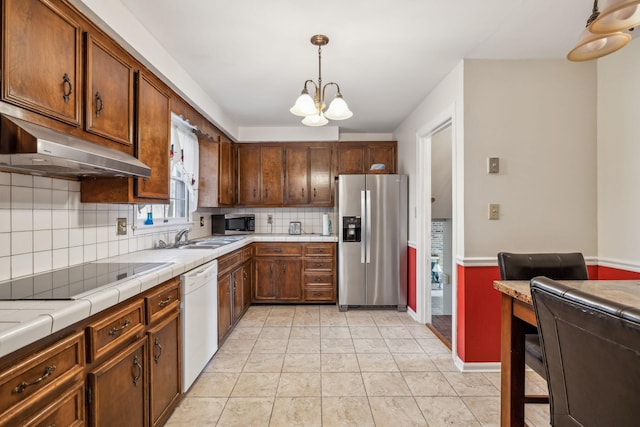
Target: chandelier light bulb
338, 109
304, 106
315, 120
593, 46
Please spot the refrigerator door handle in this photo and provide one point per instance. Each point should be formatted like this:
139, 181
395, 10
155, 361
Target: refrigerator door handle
368, 225
363, 211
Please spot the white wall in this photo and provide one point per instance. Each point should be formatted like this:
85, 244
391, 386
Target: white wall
619, 158
539, 118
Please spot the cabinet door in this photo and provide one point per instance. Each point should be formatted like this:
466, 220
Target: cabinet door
350, 159
164, 368
238, 293
109, 93
272, 173
41, 59
208, 188
224, 306
118, 388
248, 174
226, 177
320, 176
265, 279
288, 281
247, 283
381, 153
297, 187
152, 142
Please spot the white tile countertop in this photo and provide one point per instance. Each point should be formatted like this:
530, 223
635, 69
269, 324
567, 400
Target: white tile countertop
26, 321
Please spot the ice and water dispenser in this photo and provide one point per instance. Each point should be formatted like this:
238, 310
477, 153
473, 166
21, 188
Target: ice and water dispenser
351, 229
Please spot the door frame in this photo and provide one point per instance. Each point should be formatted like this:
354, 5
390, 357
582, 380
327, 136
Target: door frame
423, 217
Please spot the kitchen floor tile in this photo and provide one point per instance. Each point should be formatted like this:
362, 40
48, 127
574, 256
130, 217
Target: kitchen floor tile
335, 332
377, 362
266, 345
471, 384
364, 332
298, 362
264, 362
396, 411
336, 345
446, 411
403, 345
428, 384
256, 385
197, 411
342, 384
211, 384
275, 333
485, 409
304, 346
339, 362
395, 332
299, 385
414, 362
244, 333
385, 384
242, 412
346, 411
301, 411
370, 345
225, 362
305, 332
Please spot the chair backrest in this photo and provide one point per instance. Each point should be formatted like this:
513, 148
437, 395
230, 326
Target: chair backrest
591, 349
559, 266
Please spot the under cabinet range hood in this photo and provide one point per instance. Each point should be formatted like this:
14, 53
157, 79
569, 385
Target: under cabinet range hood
30, 148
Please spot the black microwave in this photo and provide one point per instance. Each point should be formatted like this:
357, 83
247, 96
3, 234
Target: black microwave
233, 224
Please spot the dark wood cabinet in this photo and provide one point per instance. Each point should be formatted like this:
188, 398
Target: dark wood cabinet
152, 139
297, 175
41, 59
359, 157
118, 388
247, 276
209, 175
320, 272
278, 272
320, 176
260, 175
232, 293
224, 306
227, 183
308, 175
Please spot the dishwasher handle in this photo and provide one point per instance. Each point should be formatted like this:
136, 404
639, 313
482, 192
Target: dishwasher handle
202, 271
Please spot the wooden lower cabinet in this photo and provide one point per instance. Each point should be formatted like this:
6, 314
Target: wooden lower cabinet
164, 367
278, 279
233, 296
66, 410
224, 306
118, 388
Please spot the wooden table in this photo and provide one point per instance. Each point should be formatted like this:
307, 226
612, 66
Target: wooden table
517, 314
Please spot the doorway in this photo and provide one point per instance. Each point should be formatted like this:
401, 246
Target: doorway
441, 226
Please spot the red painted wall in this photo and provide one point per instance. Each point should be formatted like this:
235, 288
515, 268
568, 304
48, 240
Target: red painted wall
411, 280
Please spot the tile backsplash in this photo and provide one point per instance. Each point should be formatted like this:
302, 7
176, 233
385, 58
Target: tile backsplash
44, 226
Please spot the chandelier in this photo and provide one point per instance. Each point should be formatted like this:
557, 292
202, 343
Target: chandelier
312, 109
604, 33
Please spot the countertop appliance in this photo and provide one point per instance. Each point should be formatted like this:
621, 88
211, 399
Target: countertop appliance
372, 240
199, 320
233, 224
73, 282
295, 227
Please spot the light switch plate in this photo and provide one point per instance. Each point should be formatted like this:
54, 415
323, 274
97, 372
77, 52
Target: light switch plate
494, 211
121, 227
493, 165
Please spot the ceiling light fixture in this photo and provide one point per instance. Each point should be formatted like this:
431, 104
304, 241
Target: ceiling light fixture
595, 44
617, 15
312, 108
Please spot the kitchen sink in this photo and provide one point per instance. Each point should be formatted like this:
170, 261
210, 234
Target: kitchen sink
211, 243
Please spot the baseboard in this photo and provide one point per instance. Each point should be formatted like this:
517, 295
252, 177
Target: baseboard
476, 366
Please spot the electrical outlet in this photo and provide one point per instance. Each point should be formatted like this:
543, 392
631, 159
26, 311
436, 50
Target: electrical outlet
121, 227
494, 211
269, 219
493, 165
201, 221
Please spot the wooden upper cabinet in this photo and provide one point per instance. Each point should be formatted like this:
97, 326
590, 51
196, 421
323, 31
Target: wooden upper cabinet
297, 178
109, 92
209, 160
41, 60
358, 157
260, 175
320, 176
152, 139
226, 183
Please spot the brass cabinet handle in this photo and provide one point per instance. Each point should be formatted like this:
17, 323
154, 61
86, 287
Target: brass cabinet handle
116, 331
164, 302
157, 352
277, 250
244, 274
254, 193
317, 294
266, 193
136, 370
67, 87
99, 104
23, 385
303, 192
284, 268
315, 193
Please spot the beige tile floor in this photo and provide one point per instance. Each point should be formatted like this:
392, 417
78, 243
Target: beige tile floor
315, 366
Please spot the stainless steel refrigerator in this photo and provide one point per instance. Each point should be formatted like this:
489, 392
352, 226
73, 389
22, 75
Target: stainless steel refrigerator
372, 241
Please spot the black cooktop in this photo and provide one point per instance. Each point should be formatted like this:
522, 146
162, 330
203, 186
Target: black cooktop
68, 283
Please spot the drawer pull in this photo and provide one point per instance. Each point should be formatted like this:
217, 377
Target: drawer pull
67, 87
116, 331
157, 352
277, 250
136, 371
164, 302
317, 265
317, 294
318, 279
23, 385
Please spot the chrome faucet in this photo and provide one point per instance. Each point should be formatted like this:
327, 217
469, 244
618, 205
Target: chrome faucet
179, 234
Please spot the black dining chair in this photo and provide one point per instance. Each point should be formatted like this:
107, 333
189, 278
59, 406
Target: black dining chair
523, 266
591, 348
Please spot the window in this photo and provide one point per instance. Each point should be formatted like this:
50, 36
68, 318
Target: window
183, 194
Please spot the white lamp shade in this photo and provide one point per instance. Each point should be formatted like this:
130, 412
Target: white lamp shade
616, 15
304, 106
592, 46
315, 120
338, 109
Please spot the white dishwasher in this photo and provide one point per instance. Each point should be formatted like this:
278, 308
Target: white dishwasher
199, 320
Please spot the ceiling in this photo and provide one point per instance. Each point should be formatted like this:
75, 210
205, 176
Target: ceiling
252, 57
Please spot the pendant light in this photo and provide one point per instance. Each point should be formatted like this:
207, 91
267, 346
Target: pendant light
617, 15
312, 109
592, 45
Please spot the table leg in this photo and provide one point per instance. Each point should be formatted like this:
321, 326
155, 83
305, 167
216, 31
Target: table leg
512, 366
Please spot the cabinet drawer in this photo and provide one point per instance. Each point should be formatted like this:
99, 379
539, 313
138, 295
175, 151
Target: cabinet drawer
66, 410
318, 278
318, 293
163, 300
247, 253
319, 249
278, 249
41, 374
229, 261
118, 328
325, 264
